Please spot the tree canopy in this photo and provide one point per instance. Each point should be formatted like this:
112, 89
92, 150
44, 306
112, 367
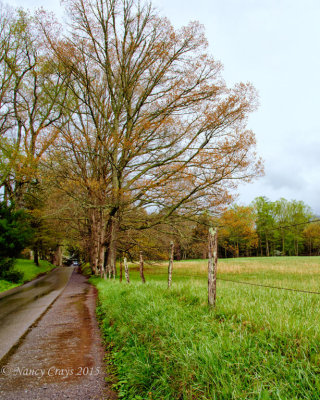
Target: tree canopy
128, 119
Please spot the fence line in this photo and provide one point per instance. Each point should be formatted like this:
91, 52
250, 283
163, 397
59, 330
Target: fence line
268, 286
239, 282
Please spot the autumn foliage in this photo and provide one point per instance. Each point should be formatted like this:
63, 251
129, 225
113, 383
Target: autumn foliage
133, 117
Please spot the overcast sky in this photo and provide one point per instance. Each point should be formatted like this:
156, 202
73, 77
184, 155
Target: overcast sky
275, 45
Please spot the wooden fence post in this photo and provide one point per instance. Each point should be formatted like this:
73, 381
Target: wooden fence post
126, 269
170, 264
212, 266
141, 268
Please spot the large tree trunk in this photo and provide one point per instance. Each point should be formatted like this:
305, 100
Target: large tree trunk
112, 246
141, 268
101, 259
57, 257
126, 269
94, 243
105, 263
36, 256
101, 243
121, 268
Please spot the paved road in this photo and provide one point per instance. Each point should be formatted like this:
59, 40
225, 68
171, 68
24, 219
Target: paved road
61, 356
23, 306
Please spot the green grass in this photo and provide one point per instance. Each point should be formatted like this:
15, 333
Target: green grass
6, 285
29, 270
257, 344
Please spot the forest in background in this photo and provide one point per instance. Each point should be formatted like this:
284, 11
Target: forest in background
267, 228
263, 228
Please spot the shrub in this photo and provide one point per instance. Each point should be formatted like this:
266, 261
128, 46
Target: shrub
8, 273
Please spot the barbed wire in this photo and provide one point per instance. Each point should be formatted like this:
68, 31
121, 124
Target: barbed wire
268, 286
238, 282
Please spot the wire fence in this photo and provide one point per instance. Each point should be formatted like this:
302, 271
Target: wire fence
203, 276
204, 240
268, 286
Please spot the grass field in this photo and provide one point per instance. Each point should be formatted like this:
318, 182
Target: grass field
258, 343
29, 270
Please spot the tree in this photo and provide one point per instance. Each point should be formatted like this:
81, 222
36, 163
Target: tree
237, 234
46, 214
15, 234
8, 150
280, 225
198, 240
265, 224
290, 218
299, 214
33, 96
311, 234
32, 99
152, 123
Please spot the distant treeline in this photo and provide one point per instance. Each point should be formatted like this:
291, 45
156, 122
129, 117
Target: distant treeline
264, 228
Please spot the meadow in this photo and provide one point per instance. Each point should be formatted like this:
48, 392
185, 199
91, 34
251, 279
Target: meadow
29, 271
258, 343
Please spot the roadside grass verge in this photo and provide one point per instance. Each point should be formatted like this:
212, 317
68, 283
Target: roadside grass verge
257, 344
6, 285
29, 270
86, 269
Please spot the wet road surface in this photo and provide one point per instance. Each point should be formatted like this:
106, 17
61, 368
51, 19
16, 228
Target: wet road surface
24, 305
61, 356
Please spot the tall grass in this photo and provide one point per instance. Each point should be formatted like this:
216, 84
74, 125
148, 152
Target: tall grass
257, 344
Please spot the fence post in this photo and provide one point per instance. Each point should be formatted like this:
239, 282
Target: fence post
170, 264
126, 269
212, 266
141, 268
